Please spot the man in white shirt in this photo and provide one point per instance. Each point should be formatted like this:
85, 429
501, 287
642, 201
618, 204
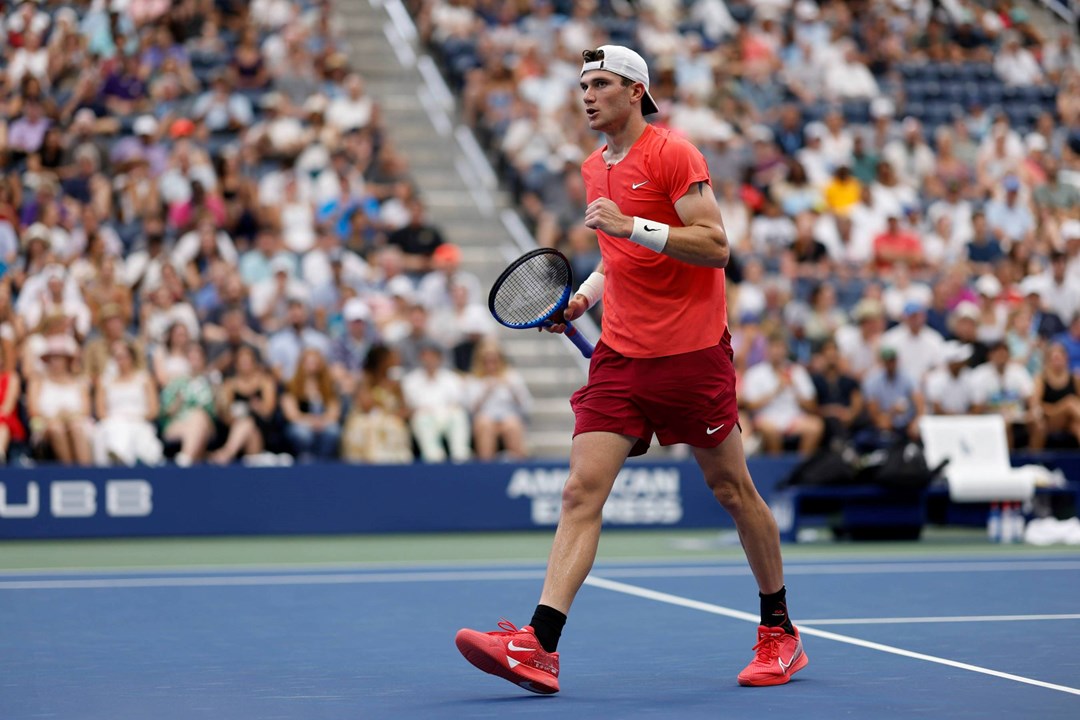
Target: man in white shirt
911, 157
1060, 295
859, 343
1005, 387
948, 388
436, 397
918, 347
780, 397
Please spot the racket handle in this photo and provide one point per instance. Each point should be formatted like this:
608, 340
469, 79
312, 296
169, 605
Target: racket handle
578, 339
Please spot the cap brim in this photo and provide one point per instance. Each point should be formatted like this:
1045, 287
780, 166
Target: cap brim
648, 105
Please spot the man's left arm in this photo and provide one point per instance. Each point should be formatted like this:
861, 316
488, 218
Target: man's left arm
701, 240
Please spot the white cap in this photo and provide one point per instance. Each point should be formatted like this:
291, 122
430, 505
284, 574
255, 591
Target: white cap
988, 285
400, 286
721, 132
145, 125
1035, 142
1033, 285
355, 309
966, 309
882, 107
815, 130
281, 264
806, 10
628, 64
957, 352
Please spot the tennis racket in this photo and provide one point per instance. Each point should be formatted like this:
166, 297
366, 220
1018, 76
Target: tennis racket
533, 292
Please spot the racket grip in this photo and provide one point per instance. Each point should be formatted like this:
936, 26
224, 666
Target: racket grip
578, 339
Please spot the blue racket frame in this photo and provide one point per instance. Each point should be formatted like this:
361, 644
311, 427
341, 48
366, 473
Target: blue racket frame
554, 316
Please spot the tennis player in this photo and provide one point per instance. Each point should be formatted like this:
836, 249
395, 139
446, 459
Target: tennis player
663, 366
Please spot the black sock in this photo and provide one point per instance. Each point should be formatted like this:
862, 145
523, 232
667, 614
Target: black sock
774, 610
547, 623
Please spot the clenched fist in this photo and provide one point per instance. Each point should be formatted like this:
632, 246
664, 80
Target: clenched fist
604, 214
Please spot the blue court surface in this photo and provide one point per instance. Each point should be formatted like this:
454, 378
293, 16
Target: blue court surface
888, 637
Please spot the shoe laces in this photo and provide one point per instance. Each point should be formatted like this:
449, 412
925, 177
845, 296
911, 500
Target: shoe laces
768, 645
508, 626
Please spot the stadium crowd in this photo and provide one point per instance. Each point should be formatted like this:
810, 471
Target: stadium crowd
211, 251
900, 184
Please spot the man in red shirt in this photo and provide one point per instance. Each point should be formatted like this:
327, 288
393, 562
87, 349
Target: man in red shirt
663, 366
897, 245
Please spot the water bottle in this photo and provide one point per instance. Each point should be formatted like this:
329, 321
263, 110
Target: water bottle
1007, 523
993, 523
1018, 523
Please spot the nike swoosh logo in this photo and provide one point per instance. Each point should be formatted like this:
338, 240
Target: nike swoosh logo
635, 186
649, 229
710, 431
511, 646
784, 666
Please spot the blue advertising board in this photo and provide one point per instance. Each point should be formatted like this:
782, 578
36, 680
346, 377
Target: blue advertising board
66, 502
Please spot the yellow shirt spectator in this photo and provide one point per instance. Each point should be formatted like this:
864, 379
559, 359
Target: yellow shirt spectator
843, 191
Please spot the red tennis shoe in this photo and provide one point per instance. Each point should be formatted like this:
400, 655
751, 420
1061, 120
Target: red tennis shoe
778, 657
512, 654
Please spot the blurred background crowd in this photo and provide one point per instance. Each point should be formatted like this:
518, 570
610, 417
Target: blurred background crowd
211, 249
900, 182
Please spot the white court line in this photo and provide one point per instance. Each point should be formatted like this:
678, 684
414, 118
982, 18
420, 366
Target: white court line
937, 619
418, 576
263, 580
647, 594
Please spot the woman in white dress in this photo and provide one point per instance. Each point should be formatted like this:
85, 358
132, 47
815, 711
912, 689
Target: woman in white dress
127, 405
59, 404
499, 402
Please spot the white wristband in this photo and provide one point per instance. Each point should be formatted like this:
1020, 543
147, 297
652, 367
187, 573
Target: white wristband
592, 289
650, 234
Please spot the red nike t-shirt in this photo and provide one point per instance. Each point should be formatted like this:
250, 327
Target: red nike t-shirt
654, 305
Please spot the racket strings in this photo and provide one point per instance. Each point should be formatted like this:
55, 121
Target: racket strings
532, 290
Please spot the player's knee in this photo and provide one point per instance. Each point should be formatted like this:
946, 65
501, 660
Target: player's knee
729, 487
580, 497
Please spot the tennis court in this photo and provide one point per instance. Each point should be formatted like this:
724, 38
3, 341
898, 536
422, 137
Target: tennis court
363, 628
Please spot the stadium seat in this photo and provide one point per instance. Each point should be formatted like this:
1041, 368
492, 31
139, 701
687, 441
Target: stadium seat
977, 453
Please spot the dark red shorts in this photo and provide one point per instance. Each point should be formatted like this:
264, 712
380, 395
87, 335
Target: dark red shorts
687, 398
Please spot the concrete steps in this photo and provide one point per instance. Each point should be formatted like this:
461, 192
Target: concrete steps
458, 188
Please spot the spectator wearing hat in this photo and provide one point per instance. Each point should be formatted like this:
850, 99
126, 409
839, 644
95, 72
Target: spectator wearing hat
1009, 217
858, 343
141, 146
58, 403
910, 156
433, 290
54, 292
993, 313
893, 403
270, 298
917, 346
1003, 386
947, 388
111, 329
349, 351
779, 395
